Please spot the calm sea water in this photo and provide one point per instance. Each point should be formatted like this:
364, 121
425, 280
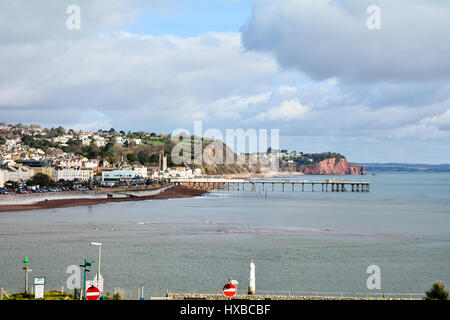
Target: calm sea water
299, 241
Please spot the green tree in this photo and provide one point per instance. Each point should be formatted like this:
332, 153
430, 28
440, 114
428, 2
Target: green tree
143, 157
40, 179
91, 151
437, 292
131, 157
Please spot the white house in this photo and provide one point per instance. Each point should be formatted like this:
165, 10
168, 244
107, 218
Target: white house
71, 174
2, 178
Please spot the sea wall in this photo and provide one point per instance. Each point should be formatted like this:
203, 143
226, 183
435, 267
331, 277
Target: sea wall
16, 198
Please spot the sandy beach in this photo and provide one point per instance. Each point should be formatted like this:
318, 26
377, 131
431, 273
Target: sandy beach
171, 193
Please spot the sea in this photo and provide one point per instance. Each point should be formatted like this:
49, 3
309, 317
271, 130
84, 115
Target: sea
300, 242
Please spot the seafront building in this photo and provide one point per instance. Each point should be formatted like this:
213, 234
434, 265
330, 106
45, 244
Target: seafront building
17, 173
72, 174
120, 175
2, 178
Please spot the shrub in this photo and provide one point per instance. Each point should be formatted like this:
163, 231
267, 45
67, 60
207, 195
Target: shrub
437, 292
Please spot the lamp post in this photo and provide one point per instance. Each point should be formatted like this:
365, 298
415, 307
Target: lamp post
25, 261
98, 277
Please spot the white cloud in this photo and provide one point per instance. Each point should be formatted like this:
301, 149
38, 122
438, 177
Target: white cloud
287, 111
287, 89
172, 77
442, 120
420, 131
235, 106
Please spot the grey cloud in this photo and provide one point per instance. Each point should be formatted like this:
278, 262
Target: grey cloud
330, 39
23, 21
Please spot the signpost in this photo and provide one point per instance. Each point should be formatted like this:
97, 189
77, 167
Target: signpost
85, 266
95, 283
92, 293
39, 287
229, 290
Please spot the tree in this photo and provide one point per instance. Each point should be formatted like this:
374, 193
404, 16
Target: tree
437, 292
144, 157
131, 157
40, 179
91, 151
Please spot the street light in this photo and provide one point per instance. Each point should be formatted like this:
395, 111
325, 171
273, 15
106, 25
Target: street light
25, 261
98, 277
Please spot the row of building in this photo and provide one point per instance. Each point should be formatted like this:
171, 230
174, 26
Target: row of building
20, 173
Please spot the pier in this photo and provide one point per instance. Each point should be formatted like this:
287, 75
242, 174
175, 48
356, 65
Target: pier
293, 185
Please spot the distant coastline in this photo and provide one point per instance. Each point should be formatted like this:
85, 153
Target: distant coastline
405, 167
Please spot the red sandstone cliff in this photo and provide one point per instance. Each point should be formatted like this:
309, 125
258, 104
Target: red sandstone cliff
330, 166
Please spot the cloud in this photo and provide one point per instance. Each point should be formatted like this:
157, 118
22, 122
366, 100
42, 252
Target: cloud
287, 111
146, 75
327, 39
285, 89
236, 106
309, 68
442, 121
23, 21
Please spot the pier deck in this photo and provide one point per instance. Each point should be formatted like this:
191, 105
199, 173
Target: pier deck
240, 184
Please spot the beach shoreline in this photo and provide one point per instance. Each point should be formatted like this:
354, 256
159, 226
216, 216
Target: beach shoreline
250, 175
170, 193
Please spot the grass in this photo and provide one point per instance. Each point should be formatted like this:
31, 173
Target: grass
56, 295
154, 142
49, 295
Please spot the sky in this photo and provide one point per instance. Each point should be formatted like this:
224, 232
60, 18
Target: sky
311, 68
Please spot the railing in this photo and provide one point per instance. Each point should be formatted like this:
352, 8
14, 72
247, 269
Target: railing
312, 295
358, 295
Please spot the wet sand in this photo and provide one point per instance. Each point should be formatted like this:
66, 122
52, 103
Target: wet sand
171, 193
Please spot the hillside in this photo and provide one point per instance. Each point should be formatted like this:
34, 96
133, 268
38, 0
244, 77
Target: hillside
117, 148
